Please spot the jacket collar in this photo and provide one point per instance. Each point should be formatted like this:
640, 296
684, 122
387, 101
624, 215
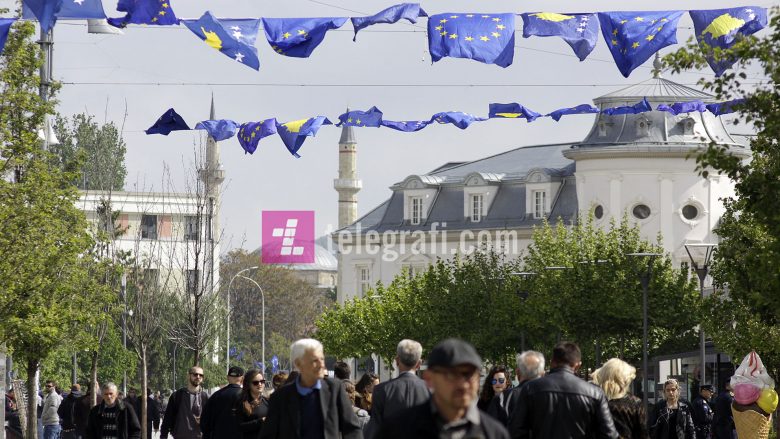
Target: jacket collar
564, 368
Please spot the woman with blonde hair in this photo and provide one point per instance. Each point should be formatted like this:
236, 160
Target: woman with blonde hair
615, 378
672, 417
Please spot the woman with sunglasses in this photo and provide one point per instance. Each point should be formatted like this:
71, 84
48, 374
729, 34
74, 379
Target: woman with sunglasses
496, 381
252, 406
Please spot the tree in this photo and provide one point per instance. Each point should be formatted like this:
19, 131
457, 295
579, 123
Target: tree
746, 262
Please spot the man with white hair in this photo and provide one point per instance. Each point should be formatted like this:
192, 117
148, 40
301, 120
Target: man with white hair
530, 366
314, 406
403, 392
112, 418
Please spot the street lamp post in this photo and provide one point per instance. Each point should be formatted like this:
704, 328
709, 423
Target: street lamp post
702, 270
229, 312
526, 275
644, 279
123, 292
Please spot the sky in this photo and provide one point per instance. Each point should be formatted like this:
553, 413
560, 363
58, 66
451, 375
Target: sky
132, 79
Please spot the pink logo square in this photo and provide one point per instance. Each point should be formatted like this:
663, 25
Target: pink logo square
288, 237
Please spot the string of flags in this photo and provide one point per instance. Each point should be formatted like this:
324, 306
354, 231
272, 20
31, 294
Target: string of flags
294, 133
631, 36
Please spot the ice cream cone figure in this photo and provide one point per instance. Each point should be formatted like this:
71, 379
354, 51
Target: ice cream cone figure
754, 398
751, 424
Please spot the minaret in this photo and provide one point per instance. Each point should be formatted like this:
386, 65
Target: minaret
347, 185
212, 176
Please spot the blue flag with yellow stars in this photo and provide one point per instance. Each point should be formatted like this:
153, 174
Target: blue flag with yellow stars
371, 118
169, 121
580, 31
45, 11
640, 107
683, 107
720, 108
406, 126
218, 130
579, 109
721, 28
157, 12
227, 37
5, 27
393, 14
251, 133
298, 37
633, 37
486, 38
73, 9
512, 111
457, 118
294, 133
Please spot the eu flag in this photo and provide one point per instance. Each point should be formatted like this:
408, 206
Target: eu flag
579, 109
45, 11
169, 121
486, 38
5, 27
274, 364
370, 118
294, 133
720, 108
640, 107
251, 133
683, 107
721, 28
580, 31
227, 37
393, 14
157, 12
218, 130
512, 111
457, 118
298, 37
633, 37
406, 126
73, 9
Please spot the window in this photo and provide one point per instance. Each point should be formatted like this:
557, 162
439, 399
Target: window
602, 129
641, 211
598, 212
191, 228
148, 226
364, 280
416, 209
688, 125
476, 208
414, 270
690, 212
539, 203
192, 281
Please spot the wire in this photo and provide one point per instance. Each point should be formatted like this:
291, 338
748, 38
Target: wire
272, 84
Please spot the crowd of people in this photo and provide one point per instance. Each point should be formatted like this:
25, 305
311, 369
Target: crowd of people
445, 402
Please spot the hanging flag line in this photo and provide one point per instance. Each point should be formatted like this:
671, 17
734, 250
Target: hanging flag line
294, 133
631, 36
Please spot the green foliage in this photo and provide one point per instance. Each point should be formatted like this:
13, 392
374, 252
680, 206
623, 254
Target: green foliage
747, 260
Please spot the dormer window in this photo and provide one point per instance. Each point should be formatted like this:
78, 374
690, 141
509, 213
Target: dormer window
477, 201
540, 198
415, 210
602, 129
642, 127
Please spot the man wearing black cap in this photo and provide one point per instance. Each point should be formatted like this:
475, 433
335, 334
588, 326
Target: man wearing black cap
219, 417
451, 412
702, 412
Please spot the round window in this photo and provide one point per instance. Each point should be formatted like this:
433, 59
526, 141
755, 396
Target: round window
690, 212
641, 211
598, 212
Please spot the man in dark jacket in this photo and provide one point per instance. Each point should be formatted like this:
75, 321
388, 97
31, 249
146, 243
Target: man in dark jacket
313, 406
561, 405
185, 407
702, 412
67, 413
152, 413
530, 366
112, 418
403, 392
453, 377
723, 420
219, 414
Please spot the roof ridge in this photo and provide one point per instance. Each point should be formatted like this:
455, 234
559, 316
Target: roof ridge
502, 153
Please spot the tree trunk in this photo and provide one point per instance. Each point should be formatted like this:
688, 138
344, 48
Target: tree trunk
93, 382
143, 416
32, 400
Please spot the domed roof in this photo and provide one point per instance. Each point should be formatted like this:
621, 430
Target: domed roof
656, 88
324, 260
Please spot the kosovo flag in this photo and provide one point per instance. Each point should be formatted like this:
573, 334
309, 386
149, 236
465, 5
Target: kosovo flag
294, 133
227, 37
169, 121
371, 118
486, 38
219, 130
721, 28
298, 37
45, 11
5, 27
157, 12
512, 111
639, 107
683, 107
251, 133
457, 118
633, 37
407, 126
579, 109
720, 108
580, 31
73, 9
393, 14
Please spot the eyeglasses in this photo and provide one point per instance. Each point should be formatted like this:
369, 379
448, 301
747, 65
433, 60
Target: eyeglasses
257, 383
196, 374
498, 381
49, 386
453, 374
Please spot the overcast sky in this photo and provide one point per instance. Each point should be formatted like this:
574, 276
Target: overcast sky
389, 67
